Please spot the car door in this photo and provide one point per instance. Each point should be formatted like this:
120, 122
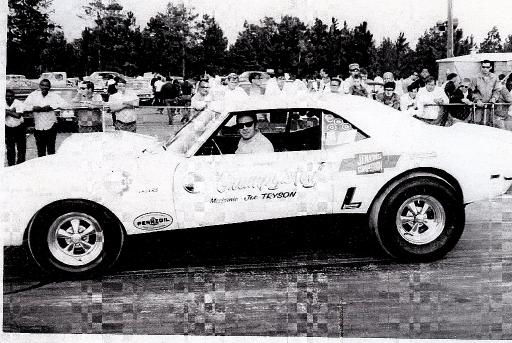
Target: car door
295, 180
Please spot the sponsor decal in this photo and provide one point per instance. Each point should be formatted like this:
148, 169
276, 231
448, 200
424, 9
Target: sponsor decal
347, 202
149, 190
305, 177
350, 164
152, 221
369, 163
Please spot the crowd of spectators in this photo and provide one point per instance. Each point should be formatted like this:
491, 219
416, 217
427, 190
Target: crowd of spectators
419, 95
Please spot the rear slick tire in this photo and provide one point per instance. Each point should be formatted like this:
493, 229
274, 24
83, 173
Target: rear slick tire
420, 218
75, 238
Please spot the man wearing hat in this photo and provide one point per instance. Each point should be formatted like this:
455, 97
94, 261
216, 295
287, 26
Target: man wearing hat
353, 68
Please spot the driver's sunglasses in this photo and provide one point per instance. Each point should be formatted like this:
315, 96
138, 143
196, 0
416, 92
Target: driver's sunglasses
247, 124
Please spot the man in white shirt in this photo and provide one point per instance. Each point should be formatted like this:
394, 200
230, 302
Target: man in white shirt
158, 91
409, 101
123, 104
43, 104
252, 141
15, 132
431, 95
201, 99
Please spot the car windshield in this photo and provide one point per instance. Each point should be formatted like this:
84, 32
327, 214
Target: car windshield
183, 140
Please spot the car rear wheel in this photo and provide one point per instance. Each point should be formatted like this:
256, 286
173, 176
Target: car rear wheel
75, 238
420, 218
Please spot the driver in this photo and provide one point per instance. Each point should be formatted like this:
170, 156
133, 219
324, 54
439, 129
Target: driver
252, 140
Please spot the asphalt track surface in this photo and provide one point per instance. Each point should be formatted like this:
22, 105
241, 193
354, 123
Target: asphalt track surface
318, 277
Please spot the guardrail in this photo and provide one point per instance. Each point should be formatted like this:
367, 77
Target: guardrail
78, 117
489, 114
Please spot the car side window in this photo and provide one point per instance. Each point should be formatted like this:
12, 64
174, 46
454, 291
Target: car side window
338, 131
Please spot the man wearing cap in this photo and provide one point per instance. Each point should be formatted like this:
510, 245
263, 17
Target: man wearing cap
389, 97
43, 104
353, 68
251, 140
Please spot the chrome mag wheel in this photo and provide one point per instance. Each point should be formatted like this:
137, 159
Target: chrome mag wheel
75, 239
420, 219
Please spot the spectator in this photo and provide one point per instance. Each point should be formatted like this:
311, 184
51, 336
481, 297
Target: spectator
389, 77
277, 86
501, 78
123, 104
364, 78
378, 86
234, 93
485, 90
89, 118
158, 91
431, 95
256, 88
409, 101
111, 86
357, 87
170, 94
424, 75
462, 95
501, 111
389, 97
353, 69
324, 82
15, 132
451, 85
410, 80
202, 98
185, 99
335, 86
43, 104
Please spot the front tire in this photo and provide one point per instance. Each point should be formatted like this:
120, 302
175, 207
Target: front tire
75, 238
419, 218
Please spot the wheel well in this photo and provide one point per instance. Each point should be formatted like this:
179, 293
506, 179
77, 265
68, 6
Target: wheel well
433, 171
55, 203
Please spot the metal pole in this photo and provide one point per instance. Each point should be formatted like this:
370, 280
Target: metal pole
449, 30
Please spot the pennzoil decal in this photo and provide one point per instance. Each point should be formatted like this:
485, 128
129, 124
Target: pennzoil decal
152, 221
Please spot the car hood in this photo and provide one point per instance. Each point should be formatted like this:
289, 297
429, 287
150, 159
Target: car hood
106, 144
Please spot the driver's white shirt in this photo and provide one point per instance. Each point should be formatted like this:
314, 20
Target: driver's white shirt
256, 144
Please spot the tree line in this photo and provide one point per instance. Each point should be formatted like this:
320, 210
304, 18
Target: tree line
180, 42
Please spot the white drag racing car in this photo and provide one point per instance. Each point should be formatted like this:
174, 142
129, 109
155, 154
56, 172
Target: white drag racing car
343, 155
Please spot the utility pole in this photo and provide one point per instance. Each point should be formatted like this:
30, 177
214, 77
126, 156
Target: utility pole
449, 30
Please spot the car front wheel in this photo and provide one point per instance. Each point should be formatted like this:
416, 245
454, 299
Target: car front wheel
418, 219
75, 238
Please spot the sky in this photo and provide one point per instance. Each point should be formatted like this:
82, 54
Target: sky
386, 18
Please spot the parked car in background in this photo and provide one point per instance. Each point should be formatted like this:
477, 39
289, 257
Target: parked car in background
100, 78
58, 79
